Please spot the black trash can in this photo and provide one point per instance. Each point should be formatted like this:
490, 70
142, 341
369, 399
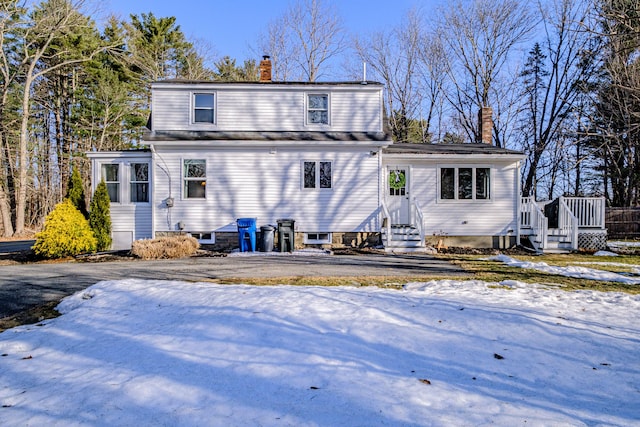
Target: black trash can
286, 235
267, 233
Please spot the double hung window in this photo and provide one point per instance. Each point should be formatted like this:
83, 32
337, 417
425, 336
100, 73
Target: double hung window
203, 108
111, 176
139, 182
195, 179
318, 109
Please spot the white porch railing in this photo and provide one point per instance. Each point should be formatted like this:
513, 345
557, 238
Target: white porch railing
568, 223
417, 218
589, 211
532, 217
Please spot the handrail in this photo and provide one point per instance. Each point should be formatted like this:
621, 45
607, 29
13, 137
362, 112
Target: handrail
420, 216
386, 222
533, 216
568, 222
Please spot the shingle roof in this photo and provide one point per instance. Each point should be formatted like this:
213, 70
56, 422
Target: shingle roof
408, 148
264, 136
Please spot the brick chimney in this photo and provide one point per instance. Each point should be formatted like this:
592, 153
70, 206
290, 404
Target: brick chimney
265, 69
485, 123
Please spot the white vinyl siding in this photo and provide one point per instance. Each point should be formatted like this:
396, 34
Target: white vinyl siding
129, 220
475, 217
356, 108
272, 190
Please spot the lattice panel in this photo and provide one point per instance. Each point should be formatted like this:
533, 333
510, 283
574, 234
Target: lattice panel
593, 241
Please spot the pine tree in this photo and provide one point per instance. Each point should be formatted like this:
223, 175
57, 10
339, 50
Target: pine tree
75, 192
100, 217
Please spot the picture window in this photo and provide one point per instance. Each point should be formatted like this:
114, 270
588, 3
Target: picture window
465, 183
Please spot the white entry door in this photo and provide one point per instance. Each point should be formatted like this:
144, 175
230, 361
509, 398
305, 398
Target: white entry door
397, 197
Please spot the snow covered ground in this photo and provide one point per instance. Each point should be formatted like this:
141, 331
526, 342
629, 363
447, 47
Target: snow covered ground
136, 352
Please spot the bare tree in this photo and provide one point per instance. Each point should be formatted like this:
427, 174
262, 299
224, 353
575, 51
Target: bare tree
616, 122
552, 86
304, 40
396, 57
479, 37
48, 22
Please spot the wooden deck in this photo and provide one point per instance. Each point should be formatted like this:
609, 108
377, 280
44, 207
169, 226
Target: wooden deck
565, 224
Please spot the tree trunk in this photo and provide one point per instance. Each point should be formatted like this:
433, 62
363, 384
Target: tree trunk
23, 163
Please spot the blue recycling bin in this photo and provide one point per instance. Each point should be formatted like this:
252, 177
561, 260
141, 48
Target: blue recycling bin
246, 234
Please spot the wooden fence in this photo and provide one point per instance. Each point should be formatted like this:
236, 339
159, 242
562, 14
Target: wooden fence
623, 223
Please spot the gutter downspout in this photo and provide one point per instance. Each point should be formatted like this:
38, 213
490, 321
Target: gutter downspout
518, 203
153, 191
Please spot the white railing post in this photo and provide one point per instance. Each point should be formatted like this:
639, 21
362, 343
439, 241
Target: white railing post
420, 219
386, 222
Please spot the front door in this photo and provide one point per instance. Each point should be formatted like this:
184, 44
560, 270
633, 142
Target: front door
398, 194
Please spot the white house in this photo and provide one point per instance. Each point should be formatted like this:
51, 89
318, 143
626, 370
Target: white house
316, 153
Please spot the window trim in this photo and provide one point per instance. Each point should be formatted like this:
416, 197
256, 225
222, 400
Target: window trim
199, 236
185, 179
194, 108
316, 186
119, 181
132, 182
456, 189
317, 240
307, 109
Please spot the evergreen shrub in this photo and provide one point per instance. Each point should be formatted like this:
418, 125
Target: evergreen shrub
100, 216
75, 192
66, 233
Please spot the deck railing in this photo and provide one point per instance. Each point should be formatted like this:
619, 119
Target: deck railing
589, 211
567, 222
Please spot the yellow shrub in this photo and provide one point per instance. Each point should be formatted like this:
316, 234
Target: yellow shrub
66, 233
165, 247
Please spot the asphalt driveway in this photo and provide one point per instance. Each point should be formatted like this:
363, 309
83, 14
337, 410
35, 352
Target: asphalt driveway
23, 286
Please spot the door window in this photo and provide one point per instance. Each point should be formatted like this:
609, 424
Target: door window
397, 182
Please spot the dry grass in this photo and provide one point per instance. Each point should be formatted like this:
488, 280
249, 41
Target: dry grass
394, 282
495, 271
30, 316
165, 247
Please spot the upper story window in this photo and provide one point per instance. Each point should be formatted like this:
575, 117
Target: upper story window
203, 108
139, 182
110, 174
195, 179
465, 183
316, 175
318, 109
